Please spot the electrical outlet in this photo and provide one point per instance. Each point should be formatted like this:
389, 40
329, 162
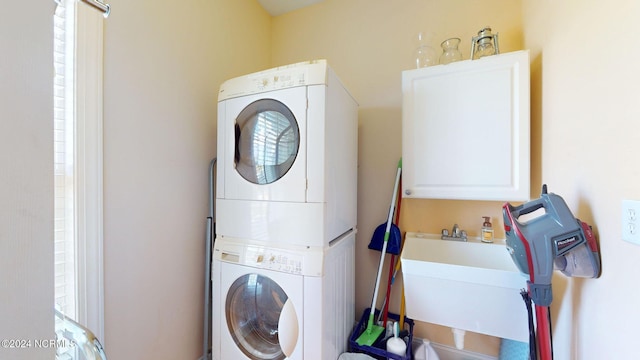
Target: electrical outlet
631, 221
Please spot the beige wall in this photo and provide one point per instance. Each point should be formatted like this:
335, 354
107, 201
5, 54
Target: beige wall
26, 178
164, 63
586, 103
369, 44
584, 132
163, 66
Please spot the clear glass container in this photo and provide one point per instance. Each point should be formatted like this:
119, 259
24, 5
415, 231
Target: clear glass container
424, 55
450, 52
484, 48
485, 44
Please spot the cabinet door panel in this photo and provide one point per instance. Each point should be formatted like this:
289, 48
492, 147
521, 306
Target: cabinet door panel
466, 129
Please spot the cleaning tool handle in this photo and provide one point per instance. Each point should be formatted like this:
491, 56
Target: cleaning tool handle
393, 199
387, 298
543, 322
386, 235
384, 244
377, 287
402, 308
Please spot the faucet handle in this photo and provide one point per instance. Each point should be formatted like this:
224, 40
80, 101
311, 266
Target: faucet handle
457, 234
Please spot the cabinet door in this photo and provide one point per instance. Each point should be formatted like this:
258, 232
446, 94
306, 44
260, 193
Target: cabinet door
466, 129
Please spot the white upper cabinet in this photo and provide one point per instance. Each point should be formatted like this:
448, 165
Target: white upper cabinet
466, 130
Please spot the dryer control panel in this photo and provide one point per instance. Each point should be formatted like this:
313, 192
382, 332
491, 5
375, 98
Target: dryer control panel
280, 81
299, 74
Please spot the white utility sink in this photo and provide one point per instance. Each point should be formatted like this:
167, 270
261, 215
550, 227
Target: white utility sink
468, 285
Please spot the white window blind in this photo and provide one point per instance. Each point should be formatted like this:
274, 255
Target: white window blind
78, 59
64, 224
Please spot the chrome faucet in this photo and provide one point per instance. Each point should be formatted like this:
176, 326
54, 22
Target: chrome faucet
456, 234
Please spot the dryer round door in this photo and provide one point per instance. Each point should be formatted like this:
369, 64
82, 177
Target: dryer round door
261, 318
267, 141
264, 154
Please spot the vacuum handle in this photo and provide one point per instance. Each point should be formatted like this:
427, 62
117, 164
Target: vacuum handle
527, 208
506, 216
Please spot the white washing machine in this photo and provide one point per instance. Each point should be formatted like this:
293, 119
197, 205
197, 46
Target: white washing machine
287, 156
282, 303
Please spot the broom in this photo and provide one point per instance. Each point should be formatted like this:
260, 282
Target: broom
373, 331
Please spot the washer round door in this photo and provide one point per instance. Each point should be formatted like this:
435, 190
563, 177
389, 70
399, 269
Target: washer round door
267, 140
261, 318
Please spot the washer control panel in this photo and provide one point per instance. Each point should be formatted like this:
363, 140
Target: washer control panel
273, 259
307, 261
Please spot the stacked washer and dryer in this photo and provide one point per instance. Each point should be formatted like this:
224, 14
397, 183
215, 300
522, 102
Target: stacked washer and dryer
283, 260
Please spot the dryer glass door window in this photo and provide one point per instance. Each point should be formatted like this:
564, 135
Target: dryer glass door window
267, 140
261, 318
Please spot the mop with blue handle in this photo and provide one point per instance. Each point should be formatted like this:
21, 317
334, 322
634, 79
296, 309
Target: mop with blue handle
373, 331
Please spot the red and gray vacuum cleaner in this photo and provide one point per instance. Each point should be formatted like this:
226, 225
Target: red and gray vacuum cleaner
542, 236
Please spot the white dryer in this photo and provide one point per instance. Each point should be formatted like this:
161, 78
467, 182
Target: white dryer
282, 303
287, 156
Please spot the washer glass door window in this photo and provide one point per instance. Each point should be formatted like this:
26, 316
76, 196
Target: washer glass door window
267, 141
261, 318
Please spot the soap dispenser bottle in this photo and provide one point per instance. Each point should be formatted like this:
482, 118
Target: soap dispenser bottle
487, 230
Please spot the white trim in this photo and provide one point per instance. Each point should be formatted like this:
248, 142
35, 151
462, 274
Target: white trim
89, 71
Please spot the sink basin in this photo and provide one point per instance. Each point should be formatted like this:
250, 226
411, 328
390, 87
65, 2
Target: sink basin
471, 285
